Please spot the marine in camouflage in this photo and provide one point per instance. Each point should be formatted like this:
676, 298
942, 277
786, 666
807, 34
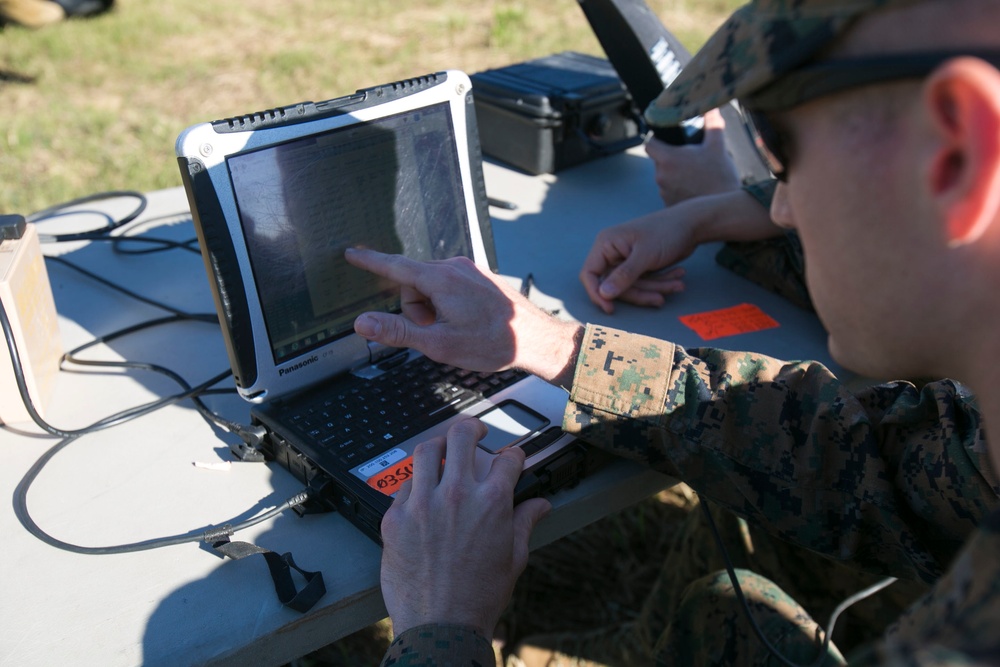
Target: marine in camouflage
891, 480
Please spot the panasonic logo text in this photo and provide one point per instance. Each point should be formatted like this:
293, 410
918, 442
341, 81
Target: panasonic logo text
295, 367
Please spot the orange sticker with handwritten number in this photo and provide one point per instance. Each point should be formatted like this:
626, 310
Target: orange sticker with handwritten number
741, 319
389, 480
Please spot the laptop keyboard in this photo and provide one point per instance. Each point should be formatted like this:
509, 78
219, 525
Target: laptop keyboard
355, 419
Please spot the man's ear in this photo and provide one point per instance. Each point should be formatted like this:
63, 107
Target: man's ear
962, 98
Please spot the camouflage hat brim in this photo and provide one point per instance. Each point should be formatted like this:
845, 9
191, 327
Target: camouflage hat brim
760, 42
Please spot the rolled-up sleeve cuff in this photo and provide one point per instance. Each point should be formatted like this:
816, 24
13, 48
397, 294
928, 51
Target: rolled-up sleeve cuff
440, 645
618, 376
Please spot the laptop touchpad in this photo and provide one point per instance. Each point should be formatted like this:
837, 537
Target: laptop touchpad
509, 422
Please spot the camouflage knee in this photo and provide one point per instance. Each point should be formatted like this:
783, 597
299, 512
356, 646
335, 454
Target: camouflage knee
711, 627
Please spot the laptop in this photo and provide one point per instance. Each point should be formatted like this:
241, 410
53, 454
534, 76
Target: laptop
276, 197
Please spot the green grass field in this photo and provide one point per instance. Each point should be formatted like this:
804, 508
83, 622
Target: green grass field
95, 105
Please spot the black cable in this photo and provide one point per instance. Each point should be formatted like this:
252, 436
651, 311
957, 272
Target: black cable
104, 234
210, 534
250, 434
159, 245
60, 209
112, 420
827, 633
20, 497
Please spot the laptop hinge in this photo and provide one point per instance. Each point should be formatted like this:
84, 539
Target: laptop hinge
377, 352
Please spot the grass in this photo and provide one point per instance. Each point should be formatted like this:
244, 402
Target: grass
593, 578
94, 105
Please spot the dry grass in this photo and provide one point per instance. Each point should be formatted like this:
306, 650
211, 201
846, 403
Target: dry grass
96, 105
595, 577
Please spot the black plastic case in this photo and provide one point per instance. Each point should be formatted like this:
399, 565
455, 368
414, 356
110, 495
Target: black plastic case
554, 112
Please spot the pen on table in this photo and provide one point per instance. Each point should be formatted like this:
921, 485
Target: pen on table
500, 203
526, 284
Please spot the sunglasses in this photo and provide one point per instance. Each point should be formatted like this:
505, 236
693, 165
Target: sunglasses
828, 77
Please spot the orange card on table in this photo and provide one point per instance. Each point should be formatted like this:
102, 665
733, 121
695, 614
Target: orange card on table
741, 319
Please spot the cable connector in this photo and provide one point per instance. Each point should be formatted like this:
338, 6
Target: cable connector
300, 498
316, 498
248, 451
252, 435
12, 227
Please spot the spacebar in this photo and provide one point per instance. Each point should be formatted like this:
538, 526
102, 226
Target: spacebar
445, 411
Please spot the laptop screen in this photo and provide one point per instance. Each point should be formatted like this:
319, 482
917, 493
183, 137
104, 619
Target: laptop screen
393, 184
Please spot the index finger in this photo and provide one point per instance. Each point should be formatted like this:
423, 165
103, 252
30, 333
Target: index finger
715, 126
397, 268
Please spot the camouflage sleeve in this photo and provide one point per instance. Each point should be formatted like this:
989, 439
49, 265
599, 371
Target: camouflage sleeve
440, 646
776, 264
952, 624
762, 191
893, 478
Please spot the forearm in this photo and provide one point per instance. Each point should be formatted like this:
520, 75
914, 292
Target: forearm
788, 447
546, 347
730, 216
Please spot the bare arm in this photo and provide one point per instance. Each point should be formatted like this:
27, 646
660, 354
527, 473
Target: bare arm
627, 261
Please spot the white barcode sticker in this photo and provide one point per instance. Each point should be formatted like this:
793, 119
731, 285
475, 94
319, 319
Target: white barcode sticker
382, 462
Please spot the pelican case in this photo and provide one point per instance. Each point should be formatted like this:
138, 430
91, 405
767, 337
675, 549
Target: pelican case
547, 114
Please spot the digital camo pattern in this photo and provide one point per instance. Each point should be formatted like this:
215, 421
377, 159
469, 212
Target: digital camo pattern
440, 646
776, 264
761, 41
954, 624
893, 477
893, 480
711, 629
816, 583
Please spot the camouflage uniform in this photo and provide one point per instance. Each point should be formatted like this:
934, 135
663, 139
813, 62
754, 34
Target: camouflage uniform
776, 264
893, 480
440, 646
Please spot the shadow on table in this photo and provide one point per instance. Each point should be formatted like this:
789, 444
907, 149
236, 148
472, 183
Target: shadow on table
233, 615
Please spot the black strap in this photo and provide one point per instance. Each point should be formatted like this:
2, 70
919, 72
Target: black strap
280, 567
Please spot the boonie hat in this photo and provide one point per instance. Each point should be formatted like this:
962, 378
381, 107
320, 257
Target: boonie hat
759, 43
